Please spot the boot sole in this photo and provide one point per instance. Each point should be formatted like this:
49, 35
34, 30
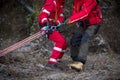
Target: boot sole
78, 70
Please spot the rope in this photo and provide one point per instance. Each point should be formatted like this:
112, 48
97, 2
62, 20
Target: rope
20, 43
26, 40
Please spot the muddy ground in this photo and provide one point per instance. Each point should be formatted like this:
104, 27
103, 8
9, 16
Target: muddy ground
28, 62
31, 66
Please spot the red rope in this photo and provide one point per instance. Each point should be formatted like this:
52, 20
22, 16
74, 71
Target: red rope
20, 43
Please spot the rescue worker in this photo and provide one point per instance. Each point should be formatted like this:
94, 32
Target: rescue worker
51, 15
87, 15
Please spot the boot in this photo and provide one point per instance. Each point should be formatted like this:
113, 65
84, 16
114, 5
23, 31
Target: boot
52, 67
77, 66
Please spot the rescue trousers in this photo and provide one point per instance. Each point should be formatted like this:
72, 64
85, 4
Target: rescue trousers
80, 43
60, 44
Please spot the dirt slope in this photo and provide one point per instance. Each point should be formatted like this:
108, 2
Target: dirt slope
30, 66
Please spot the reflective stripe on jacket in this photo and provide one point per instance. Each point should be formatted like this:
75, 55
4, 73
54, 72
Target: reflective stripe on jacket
51, 12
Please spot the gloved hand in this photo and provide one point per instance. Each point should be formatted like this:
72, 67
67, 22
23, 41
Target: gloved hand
48, 29
44, 28
80, 22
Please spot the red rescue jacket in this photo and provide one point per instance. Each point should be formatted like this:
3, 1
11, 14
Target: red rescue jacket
51, 12
86, 10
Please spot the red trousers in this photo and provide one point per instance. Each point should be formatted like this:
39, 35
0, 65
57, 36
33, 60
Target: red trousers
60, 45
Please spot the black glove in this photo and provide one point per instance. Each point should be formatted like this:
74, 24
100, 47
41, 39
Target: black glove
48, 32
81, 24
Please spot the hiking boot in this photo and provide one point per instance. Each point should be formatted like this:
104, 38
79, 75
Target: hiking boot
77, 66
52, 67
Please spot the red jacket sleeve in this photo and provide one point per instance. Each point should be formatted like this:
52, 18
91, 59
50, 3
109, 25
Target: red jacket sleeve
45, 12
87, 6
